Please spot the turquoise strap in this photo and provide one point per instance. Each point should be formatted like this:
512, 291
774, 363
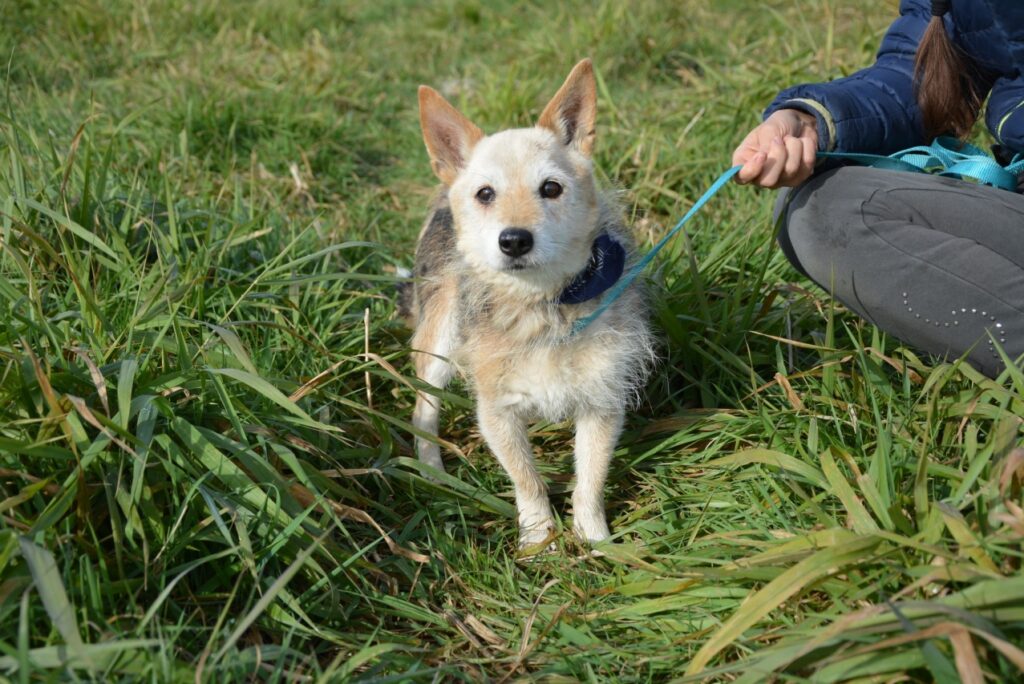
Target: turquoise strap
613, 292
944, 157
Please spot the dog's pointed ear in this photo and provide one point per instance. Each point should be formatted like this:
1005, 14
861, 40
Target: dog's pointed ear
573, 110
449, 136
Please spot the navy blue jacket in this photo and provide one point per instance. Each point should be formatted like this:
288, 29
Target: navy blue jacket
874, 110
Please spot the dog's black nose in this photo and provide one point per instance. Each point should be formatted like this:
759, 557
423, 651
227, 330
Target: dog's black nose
515, 241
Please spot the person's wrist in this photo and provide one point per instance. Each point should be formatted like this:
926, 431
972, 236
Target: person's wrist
797, 119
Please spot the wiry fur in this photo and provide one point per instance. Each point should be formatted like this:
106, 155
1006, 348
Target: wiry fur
497, 319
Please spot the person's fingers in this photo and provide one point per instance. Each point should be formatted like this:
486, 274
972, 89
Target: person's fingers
802, 174
771, 155
742, 154
794, 158
756, 141
774, 164
751, 169
749, 147
810, 145
800, 164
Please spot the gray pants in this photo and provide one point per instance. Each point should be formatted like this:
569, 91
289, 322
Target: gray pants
935, 262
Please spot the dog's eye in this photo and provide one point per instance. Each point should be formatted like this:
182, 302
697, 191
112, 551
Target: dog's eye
550, 189
485, 195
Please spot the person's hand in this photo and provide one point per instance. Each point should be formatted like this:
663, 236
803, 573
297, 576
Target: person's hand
779, 152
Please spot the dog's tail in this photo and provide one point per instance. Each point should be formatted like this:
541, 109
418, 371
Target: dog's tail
406, 302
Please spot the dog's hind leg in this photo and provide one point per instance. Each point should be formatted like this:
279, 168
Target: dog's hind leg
507, 437
596, 436
434, 341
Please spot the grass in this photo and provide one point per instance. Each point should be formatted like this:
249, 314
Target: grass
206, 469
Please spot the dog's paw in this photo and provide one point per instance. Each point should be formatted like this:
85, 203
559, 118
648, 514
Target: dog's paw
591, 529
536, 542
430, 454
537, 529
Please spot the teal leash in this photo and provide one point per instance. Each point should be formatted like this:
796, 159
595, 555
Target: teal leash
944, 157
626, 280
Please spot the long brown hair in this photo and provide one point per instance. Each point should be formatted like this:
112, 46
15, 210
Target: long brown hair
946, 94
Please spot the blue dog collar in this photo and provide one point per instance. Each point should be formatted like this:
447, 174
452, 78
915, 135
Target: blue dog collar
607, 261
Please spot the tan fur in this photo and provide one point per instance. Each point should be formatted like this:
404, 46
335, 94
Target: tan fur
496, 318
518, 207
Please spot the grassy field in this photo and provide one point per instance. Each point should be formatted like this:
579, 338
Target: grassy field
206, 465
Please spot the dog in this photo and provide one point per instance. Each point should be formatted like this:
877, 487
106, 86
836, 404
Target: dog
517, 248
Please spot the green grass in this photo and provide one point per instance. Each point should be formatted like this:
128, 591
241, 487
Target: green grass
206, 469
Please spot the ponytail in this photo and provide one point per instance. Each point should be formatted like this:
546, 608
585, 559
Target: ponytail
946, 95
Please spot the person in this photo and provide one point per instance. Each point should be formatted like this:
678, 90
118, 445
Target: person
934, 261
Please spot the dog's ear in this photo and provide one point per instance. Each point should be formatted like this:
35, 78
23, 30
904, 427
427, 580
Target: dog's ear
573, 109
449, 135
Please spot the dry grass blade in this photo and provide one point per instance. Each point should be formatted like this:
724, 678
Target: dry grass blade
1012, 470
387, 366
72, 151
966, 658
49, 487
96, 375
44, 381
315, 381
83, 410
791, 395
484, 632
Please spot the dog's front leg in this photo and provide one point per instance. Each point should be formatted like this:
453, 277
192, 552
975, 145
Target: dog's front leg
596, 436
507, 437
434, 341
426, 417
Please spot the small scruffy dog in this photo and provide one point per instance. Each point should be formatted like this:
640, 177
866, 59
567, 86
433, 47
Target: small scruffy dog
519, 245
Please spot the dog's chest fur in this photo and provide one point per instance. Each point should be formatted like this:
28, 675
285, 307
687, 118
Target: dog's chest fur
550, 378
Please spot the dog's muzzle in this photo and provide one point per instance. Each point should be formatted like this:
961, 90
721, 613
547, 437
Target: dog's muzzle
515, 242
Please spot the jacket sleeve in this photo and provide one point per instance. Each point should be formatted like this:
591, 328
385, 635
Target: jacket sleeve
1005, 113
875, 109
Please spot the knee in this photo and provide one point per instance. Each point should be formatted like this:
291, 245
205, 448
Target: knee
803, 221
781, 219
820, 222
